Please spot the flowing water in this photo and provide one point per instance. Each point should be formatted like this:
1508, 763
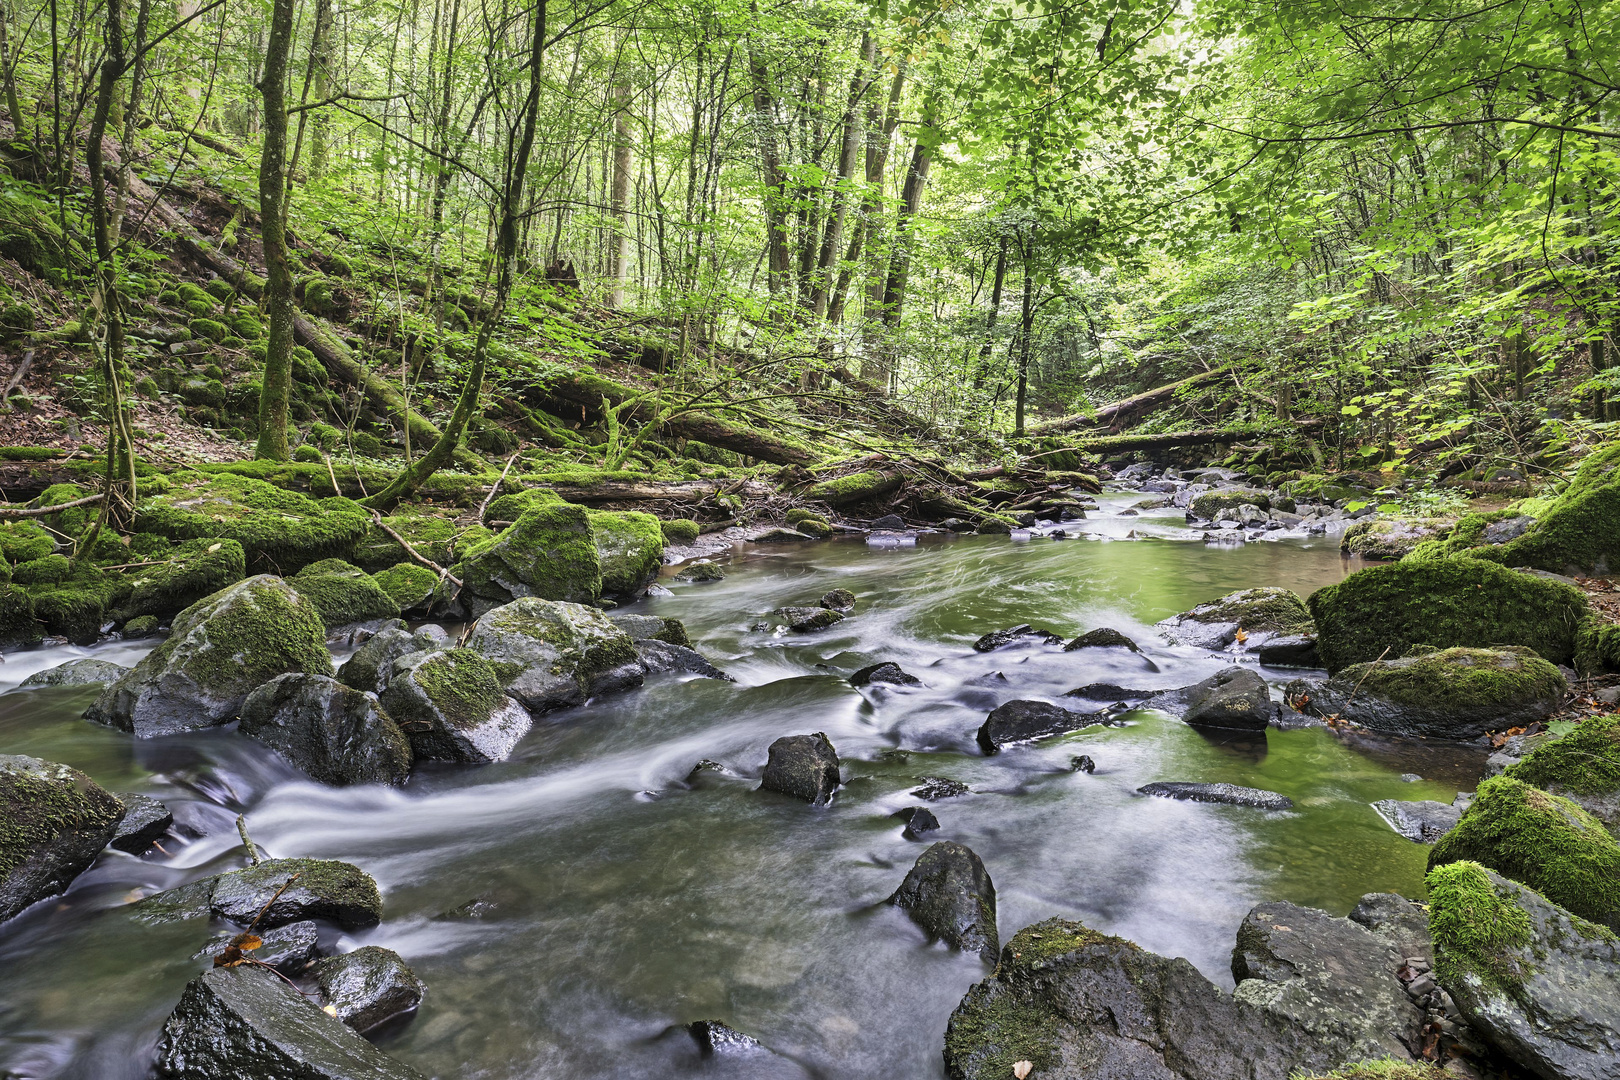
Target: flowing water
618, 902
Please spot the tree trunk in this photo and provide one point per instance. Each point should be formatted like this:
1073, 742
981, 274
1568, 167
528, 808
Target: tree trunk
619, 245
320, 59
1026, 326
859, 83
775, 179
894, 290
278, 299
990, 318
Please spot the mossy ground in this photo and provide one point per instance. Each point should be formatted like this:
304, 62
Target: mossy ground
192, 570
1586, 761
1384, 1069
279, 530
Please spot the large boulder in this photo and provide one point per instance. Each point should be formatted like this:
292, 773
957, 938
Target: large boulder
1392, 537
1385, 610
343, 593
87, 671
1027, 720
1583, 766
1579, 533
222, 648
451, 706
1236, 699
1539, 982
1457, 693
335, 734
249, 1024
280, 531
273, 893
371, 665
1541, 840
550, 653
409, 585
630, 548
950, 895
190, 572
1259, 614
1210, 503
803, 766
54, 821
549, 552
368, 986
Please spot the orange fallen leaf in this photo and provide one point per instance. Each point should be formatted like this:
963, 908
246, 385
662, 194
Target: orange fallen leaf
1241, 637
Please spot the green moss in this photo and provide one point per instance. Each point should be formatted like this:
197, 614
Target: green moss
1460, 678
30, 453
1580, 534
630, 548
1473, 924
203, 392
47, 571
408, 584
220, 290
40, 801
1392, 537
193, 570
73, 520
854, 488
247, 327
549, 552
1268, 609
319, 299
679, 531
1209, 503
209, 329
22, 541
343, 593
1586, 761
308, 453
17, 624
141, 626
255, 630
437, 538
1383, 1069
1541, 840
192, 293
1597, 646
278, 530
1444, 602
462, 685
510, 507
16, 321
799, 513
78, 606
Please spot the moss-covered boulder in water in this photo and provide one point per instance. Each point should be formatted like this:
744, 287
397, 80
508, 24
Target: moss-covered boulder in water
343, 593
372, 664
221, 649
1385, 610
630, 547
54, 821
1209, 503
1539, 982
1541, 840
1391, 537
280, 531
1444, 693
193, 570
1583, 766
549, 653
1260, 614
335, 734
274, 893
451, 706
78, 605
549, 553
409, 585
17, 624
679, 531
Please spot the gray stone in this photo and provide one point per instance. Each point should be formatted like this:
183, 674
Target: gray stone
452, 708
889, 523
779, 536
645, 627
950, 895
85, 672
1236, 698
1026, 720
1421, 822
935, 788
714, 1038
803, 620
1000, 639
372, 665
314, 889
1291, 651
1231, 794
702, 572
838, 600
1500, 532
247, 1024
1100, 638
1261, 614
659, 656
145, 820
885, 674
1398, 921
368, 986
919, 821
551, 654
54, 821
803, 766
333, 733
289, 949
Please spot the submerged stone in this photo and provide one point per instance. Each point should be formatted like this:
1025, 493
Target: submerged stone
368, 986
333, 733
54, 821
1230, 794
803, 766
1026, 721
714, 1038
85, 672
838, 600
1000, 639
1421, 822
935, 788
950, 895
886, 673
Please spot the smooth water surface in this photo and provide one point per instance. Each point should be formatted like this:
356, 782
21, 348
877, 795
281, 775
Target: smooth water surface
618, 901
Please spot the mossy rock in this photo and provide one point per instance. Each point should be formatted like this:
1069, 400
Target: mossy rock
1385, 610
16, 321
1579, 535
76, 606
54, 822
343, 593
1383, 1069
1392, 537
248, 327
1541, 840
549, 654
202, 392
73, 520
550, 552
17, 624
451, 706
49, 570
510, 507
1597, 646
193, 570
798, 514
222, 648
437, 538
209, 329
308, 453
142, 626
220, 290
679, 531
192, 293
279, 530
1209, 503
320, 298
409, 585
1260, 613
630, 548
22, 541
1583, 766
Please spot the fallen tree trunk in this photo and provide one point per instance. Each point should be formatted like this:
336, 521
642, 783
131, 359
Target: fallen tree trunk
855, 487
1126, 409
609, 491
1164, 440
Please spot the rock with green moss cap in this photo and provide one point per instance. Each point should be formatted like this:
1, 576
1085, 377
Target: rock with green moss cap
326, 889
343, 593
331, 732
1260, 614
193, 570
1210, 503
21, 541
1392, 537
17, 623
77, 607
1583, 767
451, 706
371, 665
549, 553
54, 821
948, 893
643, 627
434, 537
679, 531
1580, 532
1385, 610
280, 531
550, 653
409, 585
1536, 980
630, 547
1444, 693
1541, 840
510, 507
221, 649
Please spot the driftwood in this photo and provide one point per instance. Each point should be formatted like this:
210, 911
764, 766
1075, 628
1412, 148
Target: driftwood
1120, 412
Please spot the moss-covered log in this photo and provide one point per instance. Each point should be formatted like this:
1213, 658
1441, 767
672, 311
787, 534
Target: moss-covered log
612, 491
1163, 440
855, 487
1126, 409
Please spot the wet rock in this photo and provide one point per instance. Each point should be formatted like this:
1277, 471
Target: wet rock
325, 889
779, 536
889, 523
705, 571
1000, 639
803, 620
1500, 532
344, 594
660, 656
715, 1038
372, 665
222, 649
54, 821
368, 986
949, 894
1100, 638
1583, 767
452, 708
885, 674
1230, 794
1420, 822
145, 821
630, 549
803, 766
1109, 692
331, 732
1083, 763
549, 552
1458, 693
1392, 537
549, 654
248, 1024
838, 600
1261, 614
289, 949
85, 672
645, 627
1290, 651
1025, 721
1211, 503
919, 821
1235, 699
1398, 921
1535, 980
935, 788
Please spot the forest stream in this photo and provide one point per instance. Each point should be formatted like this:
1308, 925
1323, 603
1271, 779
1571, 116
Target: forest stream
570, 908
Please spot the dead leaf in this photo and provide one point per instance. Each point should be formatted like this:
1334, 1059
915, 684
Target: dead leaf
213, 547
1022, 1069
1241, 636
331, 1010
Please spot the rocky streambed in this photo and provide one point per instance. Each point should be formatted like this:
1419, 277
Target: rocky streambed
609, 862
